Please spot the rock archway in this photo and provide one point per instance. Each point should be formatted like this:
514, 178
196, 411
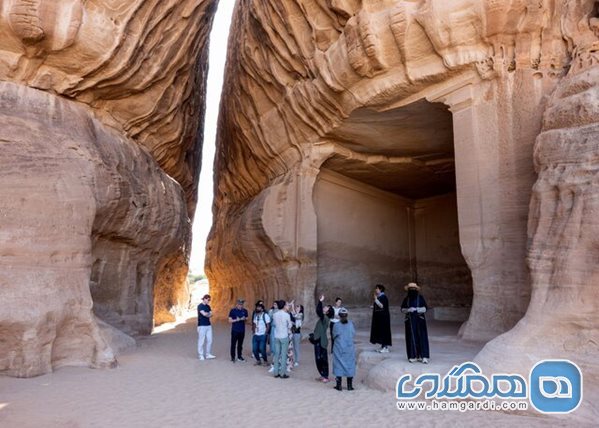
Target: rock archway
386, 209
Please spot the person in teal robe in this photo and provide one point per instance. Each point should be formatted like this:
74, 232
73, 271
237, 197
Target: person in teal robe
344, 352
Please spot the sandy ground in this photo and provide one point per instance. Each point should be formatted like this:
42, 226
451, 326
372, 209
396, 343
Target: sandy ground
161, 383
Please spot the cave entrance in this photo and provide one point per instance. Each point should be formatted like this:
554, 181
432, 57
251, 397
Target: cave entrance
387, 210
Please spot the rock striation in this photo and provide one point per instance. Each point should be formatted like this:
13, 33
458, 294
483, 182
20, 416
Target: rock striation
140, 66
442, 97
101, 107
343, 126
562, 319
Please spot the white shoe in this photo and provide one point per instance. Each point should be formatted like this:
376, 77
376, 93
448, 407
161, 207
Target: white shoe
425, 361
384, 350
210, 357
295, 364
201, 358
412, 360
271, 369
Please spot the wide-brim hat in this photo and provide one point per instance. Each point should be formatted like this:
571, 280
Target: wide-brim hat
412, 286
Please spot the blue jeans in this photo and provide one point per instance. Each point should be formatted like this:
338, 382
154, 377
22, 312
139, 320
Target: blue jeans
297, 342
272, 340
259, 347
280, 359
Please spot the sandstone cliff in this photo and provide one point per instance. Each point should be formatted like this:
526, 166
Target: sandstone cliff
355, 87
331, 105
562, 319
101, 113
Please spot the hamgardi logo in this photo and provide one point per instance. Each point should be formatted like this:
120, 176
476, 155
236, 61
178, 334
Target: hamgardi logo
553, 386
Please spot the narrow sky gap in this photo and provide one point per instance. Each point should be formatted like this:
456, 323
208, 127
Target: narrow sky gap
216, 69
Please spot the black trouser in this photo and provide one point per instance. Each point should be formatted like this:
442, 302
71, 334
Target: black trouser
331, 325
322, 360
237, 338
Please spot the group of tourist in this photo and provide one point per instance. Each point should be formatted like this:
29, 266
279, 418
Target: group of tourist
281, 329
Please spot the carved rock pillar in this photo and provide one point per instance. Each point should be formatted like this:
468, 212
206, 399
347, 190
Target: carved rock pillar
562, 320
495, 124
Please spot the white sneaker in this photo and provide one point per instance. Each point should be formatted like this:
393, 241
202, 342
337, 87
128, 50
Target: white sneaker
384, 350
271, 369
425, 361
412, 360
210, 357
295, 364
201, 358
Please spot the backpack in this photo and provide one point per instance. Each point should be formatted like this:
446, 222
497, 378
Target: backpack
266, 324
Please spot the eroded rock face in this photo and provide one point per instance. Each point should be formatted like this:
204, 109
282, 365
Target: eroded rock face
562, 320
398, 95
343, 86
170, 300
100, 129
69, 183
139, 64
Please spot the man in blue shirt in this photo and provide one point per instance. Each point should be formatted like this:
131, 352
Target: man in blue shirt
204, 329
237, 318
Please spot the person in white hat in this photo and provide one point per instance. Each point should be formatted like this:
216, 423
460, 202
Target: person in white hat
414, 307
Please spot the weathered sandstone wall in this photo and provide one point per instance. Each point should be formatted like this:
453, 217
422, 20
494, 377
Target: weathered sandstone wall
562, 320
341, 84
368, 236
101, 107
140, 65
317, 82
70, 186
363, 239
439, 260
